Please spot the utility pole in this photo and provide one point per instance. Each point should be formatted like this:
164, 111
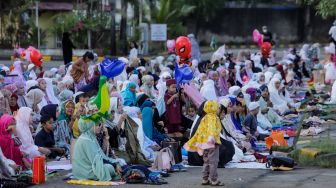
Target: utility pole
113, 32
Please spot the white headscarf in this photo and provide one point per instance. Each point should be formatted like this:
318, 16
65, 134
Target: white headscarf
268, 76
23, 132
31, 83
34, 96
234, 90
50, 91
208, 90
279, 103
238, 77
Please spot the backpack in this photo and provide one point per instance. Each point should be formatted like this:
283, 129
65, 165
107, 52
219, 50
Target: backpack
280, 163
164, 159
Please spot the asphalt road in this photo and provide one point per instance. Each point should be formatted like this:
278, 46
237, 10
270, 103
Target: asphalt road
237, 178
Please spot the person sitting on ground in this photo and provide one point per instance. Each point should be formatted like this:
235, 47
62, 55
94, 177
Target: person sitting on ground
89, 160
250, 123
45, 138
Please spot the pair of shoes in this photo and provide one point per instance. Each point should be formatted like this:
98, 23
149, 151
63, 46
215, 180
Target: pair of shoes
155, 181
217, 183
205, 182
178, 168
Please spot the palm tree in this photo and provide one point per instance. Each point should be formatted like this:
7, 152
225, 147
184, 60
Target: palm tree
171, 12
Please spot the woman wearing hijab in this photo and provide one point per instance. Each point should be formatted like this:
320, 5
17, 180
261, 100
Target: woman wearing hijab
148, 147
152, 124
248, 69
213, 75
266, 106
89, 161
135, 78
23, 121
13, 103
227, 120
208, 90
9, 146
148, 87
33, 98
65, 95
45, 84
129, 94
4, 101
62, 131
222, 82
279, 103
21, 101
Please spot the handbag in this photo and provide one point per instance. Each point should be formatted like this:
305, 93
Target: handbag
175, 148
164, 160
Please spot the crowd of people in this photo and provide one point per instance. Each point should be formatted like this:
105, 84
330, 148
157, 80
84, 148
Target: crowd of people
235, 100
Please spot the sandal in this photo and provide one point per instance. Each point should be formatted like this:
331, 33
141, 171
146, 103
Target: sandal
217, 183
205, 182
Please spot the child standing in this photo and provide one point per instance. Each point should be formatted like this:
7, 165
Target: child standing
206, 142
173, 110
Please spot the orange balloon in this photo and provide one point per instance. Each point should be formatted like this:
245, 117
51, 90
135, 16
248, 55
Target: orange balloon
183, 47
36, 57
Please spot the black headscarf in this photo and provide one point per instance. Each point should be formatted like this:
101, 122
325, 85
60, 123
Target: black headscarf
49, 111
141, 99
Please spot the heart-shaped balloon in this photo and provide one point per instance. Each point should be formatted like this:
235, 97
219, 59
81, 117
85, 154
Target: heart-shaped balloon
111, 67
36, 57
183, 74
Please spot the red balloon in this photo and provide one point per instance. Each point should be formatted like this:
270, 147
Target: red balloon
36, 57
266, 49
183, 47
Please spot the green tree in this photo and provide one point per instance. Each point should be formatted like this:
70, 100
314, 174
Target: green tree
11, 28
204, 11
325, 8
171, 12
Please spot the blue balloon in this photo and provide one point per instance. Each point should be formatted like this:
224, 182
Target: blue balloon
183, 74
111, 67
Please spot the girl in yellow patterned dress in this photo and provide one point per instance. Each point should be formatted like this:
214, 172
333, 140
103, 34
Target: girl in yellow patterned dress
206, 142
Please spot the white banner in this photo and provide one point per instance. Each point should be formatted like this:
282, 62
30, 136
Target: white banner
158, 32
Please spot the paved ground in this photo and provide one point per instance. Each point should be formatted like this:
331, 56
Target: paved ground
249, 178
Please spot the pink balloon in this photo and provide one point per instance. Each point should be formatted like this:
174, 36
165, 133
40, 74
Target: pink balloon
257, 37
171, 46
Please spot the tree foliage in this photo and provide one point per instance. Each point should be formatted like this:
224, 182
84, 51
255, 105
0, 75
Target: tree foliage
171, 12
325, 8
